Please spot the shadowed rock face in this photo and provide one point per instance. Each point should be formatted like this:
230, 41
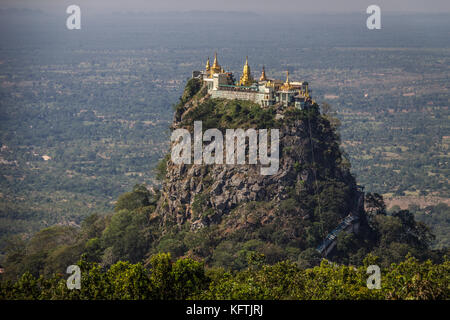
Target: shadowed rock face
205, 195
226, 186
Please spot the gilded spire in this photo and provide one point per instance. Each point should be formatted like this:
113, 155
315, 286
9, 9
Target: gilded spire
286, 86
215, 64
208, 66
216, 68
246, 70
246, 78
263, 75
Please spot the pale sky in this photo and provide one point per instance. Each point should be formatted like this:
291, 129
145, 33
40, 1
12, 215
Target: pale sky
258, 6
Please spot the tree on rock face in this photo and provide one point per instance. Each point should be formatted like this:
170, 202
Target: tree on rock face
331, 115
388, 229
416, 233
126, 236
346, 242
374, 204
139, 197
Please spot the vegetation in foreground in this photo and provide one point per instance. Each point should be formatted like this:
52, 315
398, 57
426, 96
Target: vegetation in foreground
119, 259
162, 278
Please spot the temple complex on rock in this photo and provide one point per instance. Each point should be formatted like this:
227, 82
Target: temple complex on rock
264, 91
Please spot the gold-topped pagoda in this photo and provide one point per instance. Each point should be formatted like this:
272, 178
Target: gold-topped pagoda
216, 68
263, 75
246, 78
208, 66
286, 86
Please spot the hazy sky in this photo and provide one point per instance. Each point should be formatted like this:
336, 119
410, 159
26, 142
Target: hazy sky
260, 6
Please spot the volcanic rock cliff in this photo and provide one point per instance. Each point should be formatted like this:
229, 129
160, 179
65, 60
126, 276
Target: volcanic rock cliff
312, 191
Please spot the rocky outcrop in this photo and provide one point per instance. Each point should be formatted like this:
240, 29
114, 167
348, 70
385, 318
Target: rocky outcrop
201, 195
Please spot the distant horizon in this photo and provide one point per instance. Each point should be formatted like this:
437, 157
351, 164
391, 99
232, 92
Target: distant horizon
240, 13
284, 7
